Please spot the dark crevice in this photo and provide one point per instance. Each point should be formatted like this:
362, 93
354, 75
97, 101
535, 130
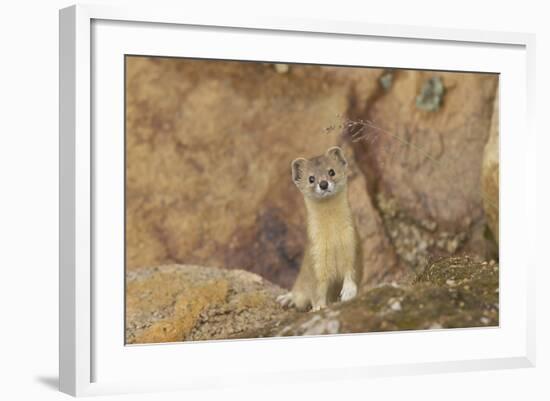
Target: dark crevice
356, 132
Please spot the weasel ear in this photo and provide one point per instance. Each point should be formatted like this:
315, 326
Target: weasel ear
337, 153
298, 168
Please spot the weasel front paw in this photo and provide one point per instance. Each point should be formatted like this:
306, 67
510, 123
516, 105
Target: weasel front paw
286, 300
349, 291
318, 306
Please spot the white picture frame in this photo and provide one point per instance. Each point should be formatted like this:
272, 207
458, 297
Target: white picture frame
93, 355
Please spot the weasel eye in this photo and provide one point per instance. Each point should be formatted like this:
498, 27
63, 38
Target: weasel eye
311, 179
331, 173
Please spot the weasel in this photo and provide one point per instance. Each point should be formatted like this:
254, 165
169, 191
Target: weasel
332, 265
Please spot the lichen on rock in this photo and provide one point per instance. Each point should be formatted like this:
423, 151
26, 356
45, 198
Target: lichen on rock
431, 94
416, 241
386, 80
186, 303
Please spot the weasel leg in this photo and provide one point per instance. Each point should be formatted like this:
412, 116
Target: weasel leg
322, 294
349, 289
294, 299
286, 300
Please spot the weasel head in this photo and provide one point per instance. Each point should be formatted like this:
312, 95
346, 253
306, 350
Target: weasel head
321, 177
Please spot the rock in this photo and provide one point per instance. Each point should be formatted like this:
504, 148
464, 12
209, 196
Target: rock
490, 174
427, 303
191, 303
380, 261
187, 303
423, 170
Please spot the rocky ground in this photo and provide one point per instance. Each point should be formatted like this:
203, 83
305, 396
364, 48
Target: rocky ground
191, 303
184, 302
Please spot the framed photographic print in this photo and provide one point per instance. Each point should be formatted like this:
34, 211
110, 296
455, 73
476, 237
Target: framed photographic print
294, 199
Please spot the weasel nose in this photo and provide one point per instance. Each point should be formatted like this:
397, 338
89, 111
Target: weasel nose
323, 185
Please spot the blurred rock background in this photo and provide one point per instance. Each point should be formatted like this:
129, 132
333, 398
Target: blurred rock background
209, 146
